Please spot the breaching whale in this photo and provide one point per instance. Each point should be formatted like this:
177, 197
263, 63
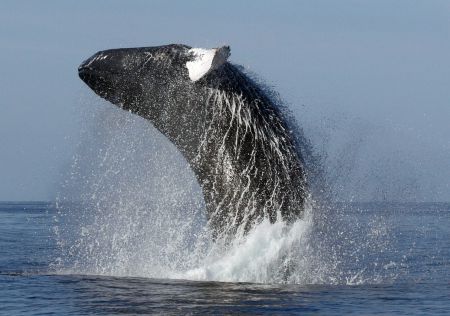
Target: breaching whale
230, 130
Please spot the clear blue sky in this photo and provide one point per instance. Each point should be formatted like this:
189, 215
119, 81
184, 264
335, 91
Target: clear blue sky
384, 62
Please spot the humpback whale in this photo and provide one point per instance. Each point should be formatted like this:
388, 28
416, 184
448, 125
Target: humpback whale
230, 130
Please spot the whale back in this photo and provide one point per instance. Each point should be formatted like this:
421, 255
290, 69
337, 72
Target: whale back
250, 153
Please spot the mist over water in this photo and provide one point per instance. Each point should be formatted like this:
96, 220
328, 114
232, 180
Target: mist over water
131, 206
366, 161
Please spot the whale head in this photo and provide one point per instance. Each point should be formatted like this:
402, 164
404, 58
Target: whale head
142, 80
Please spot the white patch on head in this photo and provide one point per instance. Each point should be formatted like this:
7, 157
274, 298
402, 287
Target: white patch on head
206, 60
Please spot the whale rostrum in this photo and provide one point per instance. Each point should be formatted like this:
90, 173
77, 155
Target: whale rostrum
229, 129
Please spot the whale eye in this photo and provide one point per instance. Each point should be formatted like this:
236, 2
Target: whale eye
205, 60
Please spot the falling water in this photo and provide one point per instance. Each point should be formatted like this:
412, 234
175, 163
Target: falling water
130, 206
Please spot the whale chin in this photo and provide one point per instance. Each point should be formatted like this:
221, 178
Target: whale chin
105, 85
96, 81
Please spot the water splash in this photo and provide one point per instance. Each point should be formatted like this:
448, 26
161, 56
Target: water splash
263, 256
131, 206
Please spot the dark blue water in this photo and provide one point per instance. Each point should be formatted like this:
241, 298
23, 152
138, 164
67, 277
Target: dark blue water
419, 247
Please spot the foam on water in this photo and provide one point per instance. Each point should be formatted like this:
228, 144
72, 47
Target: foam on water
262, 256
170, 248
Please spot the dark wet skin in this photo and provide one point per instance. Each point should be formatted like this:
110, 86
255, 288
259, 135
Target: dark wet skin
229, 130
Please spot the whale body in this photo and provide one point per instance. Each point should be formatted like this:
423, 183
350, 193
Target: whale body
230, 130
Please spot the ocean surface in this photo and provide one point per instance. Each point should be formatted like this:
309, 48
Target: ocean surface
402, 269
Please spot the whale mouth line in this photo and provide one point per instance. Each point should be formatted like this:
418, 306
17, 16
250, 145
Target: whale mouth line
90, 71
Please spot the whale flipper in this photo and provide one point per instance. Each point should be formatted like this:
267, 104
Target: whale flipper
206, 60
